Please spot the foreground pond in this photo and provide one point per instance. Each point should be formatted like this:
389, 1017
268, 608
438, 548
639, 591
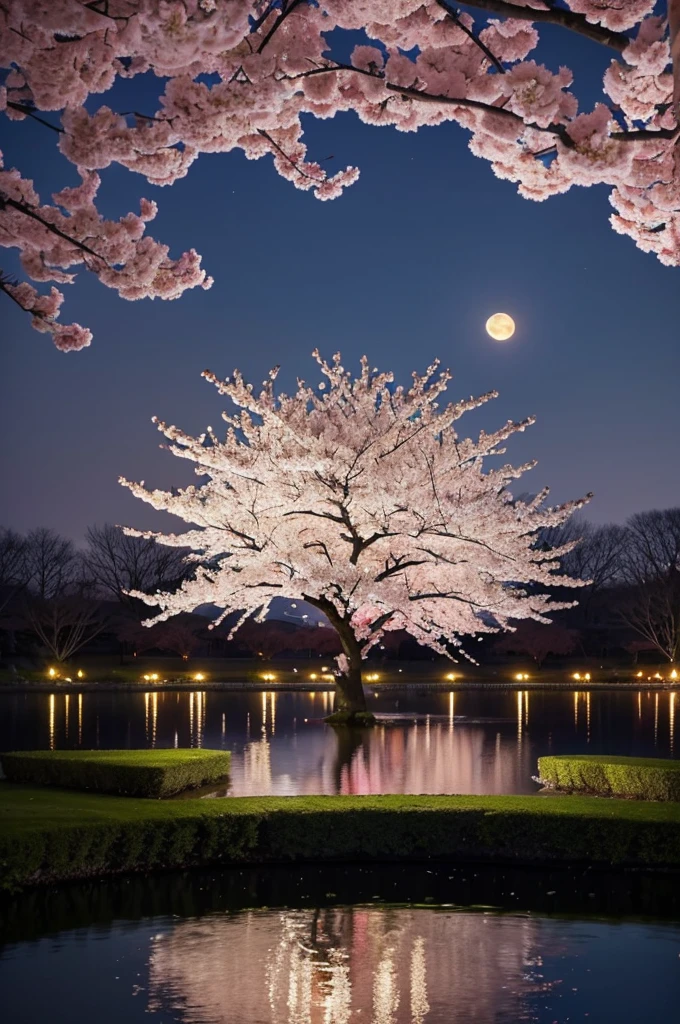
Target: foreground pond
484, 741
210, 949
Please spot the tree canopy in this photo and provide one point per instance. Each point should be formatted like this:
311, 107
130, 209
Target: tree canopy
360, 497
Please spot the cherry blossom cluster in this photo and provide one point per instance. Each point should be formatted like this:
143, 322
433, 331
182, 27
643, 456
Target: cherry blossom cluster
362, 498
53, 239
241, 74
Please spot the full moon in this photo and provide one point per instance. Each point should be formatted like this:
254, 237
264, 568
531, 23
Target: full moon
500, 326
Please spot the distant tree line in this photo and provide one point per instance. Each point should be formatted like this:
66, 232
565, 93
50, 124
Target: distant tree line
57, 599
632, 598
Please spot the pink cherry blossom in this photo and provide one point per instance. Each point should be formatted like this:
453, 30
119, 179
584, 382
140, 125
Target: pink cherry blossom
243, 74
364, 500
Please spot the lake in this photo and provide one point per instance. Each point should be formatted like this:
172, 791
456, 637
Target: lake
463, 741
345, 945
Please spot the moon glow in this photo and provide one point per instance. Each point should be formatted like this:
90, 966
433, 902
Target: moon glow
500, 326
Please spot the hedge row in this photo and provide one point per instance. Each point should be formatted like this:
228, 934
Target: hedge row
146, 773
644, 778
48, 836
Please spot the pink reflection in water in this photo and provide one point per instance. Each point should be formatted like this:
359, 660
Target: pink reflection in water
336, 966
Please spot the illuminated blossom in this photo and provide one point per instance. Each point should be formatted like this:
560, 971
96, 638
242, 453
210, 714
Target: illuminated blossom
364, 500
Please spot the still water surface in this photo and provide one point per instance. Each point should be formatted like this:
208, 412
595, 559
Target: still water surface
215, 951
483, 741
416, 944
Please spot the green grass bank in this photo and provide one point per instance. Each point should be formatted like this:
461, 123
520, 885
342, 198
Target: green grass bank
50, 835
141, 773
643, 778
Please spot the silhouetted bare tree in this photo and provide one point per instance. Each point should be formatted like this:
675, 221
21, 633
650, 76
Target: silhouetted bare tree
117, 563
651, 568
66, 621
52, 562
58, 602
14, 572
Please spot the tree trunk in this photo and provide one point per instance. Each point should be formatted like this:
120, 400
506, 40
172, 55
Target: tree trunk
350, 699
349, 692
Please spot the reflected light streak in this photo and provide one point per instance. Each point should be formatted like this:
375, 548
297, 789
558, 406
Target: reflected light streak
67, 698
385, 990
191, 718
51, 722
588, 716
154, 717
146, 716
639, 703
520, 715
656, 717
576, 695
526, 707
273, 712
671, 719
264, 713
200, 718
80, 719
257, 767
451, 714
419, 1004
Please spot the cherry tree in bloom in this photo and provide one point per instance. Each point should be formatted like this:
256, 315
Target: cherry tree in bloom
240, 74
362, 499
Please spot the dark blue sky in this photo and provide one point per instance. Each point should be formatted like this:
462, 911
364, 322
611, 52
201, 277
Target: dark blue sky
406, 266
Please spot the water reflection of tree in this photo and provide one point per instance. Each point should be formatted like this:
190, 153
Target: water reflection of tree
429, 758
349, 744
323, 966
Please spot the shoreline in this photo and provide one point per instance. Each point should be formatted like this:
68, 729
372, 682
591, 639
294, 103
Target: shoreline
123, 686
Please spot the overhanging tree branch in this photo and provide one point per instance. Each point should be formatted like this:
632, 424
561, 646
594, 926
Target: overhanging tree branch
286, 9
553, 16
413, 93
455, 18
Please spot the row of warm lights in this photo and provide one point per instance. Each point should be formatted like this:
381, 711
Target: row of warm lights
153, 677
523, 676
53, 674
673, 677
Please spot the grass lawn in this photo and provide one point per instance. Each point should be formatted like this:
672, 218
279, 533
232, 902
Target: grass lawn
145, 773
49, 835
643, 778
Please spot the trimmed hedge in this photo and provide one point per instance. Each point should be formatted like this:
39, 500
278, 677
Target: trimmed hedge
644, 778
49, 836
146, 773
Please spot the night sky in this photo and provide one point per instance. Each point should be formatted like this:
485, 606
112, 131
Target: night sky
406, 266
